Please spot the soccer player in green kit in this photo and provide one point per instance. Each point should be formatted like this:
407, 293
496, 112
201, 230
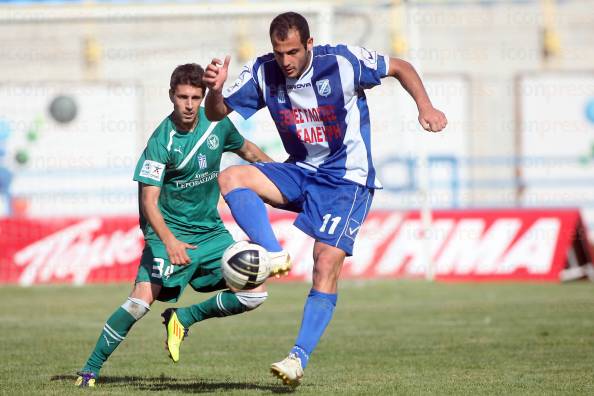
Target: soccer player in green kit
184, 235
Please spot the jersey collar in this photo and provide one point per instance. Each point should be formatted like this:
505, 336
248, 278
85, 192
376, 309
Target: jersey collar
201, 124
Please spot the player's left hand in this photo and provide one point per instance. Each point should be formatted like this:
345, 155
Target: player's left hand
432, 120
176, 251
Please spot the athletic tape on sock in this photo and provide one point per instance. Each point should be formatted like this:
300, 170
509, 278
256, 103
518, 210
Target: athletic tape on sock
136, 307
251, 300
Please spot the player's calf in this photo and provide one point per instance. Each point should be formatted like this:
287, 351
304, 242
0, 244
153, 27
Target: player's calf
114, 332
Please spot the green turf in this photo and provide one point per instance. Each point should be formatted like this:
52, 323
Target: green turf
387, 337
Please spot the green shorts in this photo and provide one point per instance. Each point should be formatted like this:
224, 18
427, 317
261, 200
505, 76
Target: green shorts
203, 273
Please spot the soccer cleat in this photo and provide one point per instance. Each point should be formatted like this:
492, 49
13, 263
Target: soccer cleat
280, 263
288, 370
175, 333
86, 379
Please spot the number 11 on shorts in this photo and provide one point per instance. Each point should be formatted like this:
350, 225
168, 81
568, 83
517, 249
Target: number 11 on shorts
327, 219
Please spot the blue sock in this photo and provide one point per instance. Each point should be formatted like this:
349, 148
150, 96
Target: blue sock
317, 313
249, 212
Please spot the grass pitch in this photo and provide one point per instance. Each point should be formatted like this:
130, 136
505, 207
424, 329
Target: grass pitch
387, 337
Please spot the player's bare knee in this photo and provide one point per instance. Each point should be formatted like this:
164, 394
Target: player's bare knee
328, 262
146, 291
230, 179
251, 300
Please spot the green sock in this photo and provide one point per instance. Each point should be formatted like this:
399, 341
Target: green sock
224, 303
115, 330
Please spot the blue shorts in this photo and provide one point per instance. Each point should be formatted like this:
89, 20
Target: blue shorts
330, 210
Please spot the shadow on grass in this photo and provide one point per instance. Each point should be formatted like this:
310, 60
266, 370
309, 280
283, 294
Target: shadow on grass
176, 384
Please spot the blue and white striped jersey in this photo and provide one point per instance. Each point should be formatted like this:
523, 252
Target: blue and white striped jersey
322, 116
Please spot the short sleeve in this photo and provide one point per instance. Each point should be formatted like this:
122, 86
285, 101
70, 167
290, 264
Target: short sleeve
233, 139
244, 96
371, 65
150, 168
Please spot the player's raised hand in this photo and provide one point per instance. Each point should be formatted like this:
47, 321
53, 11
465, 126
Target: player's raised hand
176, 250
215, 74
432, 120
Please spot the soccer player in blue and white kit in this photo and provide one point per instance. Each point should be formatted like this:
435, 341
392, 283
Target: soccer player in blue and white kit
315, 95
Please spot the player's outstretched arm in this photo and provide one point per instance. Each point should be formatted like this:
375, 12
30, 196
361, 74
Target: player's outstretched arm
176, 249
252, 153
214, 77
430, 118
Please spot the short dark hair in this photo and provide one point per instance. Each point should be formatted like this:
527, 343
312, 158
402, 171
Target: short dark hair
190, 73
282, 23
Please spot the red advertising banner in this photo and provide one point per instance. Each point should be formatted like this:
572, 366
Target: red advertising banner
477, 245
77, 251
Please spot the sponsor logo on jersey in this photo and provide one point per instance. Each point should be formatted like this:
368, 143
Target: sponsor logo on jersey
314, 125
318, 134
199, 179
323, 87
178, 150
290, 117
212, 142
202, 161
152, 170
291, 87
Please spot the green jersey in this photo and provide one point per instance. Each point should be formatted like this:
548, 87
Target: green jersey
185, 165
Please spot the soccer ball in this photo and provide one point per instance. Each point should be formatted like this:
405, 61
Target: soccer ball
245, 265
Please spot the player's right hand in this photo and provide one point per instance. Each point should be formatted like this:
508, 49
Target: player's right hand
215, 74
176, 251
432, 120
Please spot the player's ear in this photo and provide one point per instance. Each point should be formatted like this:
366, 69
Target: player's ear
309, 44
171, 94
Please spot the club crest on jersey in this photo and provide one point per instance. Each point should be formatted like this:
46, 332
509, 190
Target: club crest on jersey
202, 161
212, 142
323, 87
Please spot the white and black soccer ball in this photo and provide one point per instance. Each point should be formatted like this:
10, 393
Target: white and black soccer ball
245, 265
